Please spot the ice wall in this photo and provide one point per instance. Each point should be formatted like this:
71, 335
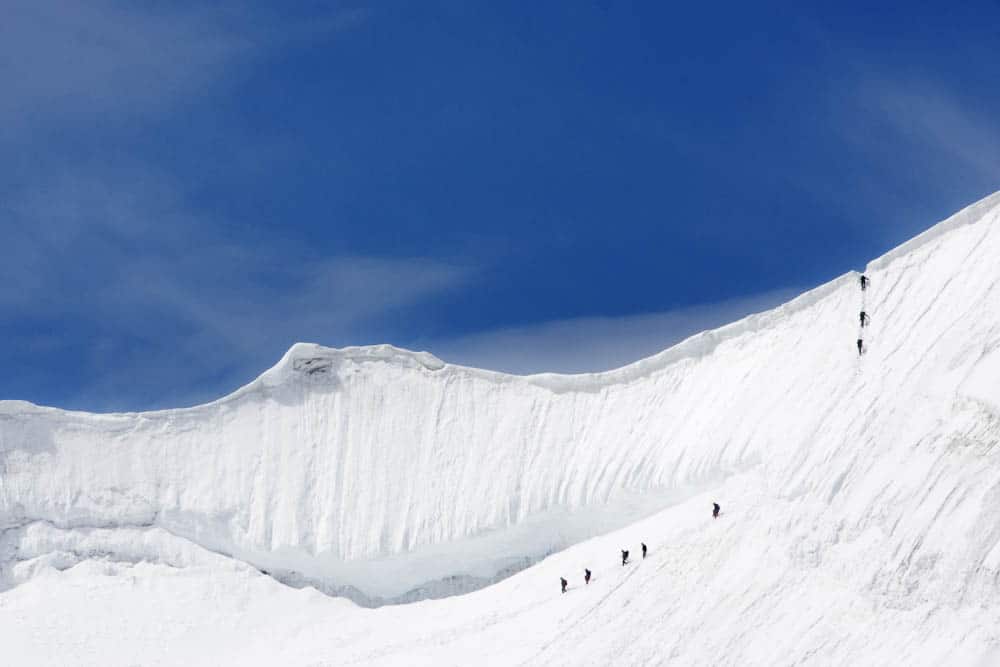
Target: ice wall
378, 472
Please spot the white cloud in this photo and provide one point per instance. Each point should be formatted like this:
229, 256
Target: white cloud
930, 114
595, 343
166, 303
76, 61
109, 260
179, 337
70, 58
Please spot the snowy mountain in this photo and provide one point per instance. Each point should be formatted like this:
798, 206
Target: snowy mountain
860, 499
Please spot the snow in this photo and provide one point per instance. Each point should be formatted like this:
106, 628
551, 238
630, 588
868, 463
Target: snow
859, 499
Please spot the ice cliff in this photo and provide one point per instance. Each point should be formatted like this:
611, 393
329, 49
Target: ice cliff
387, 475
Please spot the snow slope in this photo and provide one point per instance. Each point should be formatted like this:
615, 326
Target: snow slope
860, 498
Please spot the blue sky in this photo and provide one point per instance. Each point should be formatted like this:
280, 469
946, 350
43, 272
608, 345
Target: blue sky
190, 188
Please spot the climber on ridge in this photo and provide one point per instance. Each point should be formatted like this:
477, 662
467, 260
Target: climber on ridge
564, 584
624, 557
861, 347
586, 576
643, 549
715, 510
864, 318
864, 282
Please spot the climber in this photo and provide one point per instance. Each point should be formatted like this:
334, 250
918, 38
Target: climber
864, 282
861, 347
586, 576
564, 584
643, 549
624, 557
864, 318
715, 510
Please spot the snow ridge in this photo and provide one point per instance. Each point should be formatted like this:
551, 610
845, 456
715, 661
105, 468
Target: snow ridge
389, 476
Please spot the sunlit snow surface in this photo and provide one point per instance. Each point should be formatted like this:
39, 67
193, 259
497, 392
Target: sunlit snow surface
861, 499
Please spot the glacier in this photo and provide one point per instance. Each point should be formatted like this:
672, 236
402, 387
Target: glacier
288, 522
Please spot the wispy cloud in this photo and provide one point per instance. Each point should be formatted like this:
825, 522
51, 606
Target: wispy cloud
932, 146
590, 344
929, 113
73, 59
110, 277
74, 62
170, 304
